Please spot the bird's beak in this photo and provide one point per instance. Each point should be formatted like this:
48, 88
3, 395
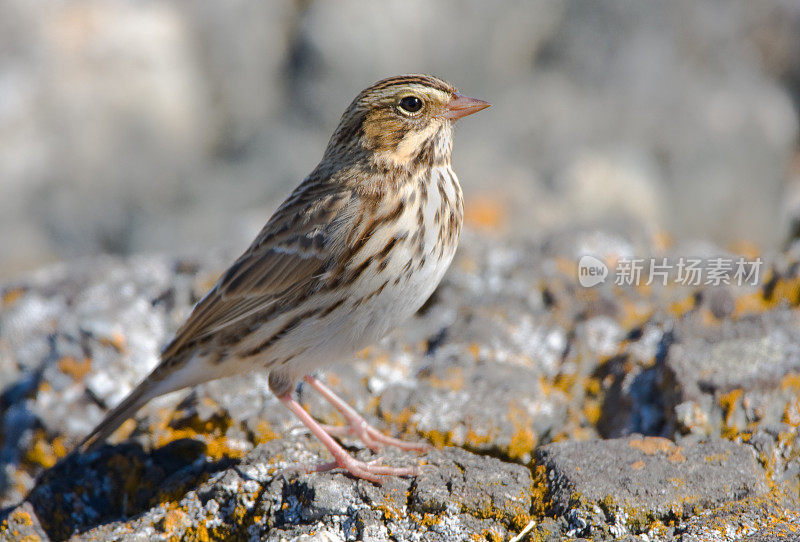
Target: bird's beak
461, 106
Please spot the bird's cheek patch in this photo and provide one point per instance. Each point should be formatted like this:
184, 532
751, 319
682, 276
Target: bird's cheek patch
408, 147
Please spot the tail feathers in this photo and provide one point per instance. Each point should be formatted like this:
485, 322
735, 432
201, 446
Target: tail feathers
127, 408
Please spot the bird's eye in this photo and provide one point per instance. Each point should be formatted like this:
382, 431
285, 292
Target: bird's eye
411, 104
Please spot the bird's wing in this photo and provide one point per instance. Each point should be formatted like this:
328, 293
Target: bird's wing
287, 257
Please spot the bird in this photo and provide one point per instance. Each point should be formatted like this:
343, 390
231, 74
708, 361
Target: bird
357, 248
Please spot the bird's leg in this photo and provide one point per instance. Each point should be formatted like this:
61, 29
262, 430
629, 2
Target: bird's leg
357, 425
341, 459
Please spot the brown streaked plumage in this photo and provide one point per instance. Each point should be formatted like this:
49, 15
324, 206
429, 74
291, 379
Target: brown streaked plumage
356, 248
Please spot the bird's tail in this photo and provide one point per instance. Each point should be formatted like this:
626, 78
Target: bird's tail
127, 408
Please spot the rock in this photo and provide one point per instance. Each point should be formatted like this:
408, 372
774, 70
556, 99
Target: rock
723, 378
629, 483
456, 495
767, 520
513, 369
755, 353
21, 523
468, 371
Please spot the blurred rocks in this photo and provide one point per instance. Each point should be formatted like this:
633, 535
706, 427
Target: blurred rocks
130, 127
742, 371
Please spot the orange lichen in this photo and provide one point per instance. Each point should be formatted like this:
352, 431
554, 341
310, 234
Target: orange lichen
749, 304
21, 517
474, 439
635, 314
492, 535
563, 382
566, 266
677, 455
518, 516
523, 440
791, 382
211, 431
117, 341
389, 511
662, 240
402, 419
783, 290
729, 402
719, 459
365, 353
75, 368
791, 413
592, 411
41, 452
592, 386
485, 212
18, 518
540, 492
453, 379
437, 438
745, 248
172, 521
264, 433
220, 447
522, 443
680, 308
677, 482
653, 445
428, 519
10, 296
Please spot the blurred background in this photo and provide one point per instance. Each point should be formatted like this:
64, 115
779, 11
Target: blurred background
175, 126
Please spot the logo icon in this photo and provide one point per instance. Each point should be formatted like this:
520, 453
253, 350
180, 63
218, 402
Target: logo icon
591, 271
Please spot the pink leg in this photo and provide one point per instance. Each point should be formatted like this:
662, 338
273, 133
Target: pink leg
369, 471
357, 425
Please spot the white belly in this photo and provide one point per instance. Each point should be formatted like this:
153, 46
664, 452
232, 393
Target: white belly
378, 301
395, 304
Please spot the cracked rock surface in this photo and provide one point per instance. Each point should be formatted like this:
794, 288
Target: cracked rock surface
607, 413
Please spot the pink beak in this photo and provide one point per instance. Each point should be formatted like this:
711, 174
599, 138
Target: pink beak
461, 106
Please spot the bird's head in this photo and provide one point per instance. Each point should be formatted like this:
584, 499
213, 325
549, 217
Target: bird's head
403, 122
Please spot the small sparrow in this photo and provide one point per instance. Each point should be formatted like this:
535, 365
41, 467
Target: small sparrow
355, 250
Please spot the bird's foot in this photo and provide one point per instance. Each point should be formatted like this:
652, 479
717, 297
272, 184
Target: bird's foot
357, 426
372, 471
369, 470
371, 437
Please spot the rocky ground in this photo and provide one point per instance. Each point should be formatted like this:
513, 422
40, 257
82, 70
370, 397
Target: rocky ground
614, 412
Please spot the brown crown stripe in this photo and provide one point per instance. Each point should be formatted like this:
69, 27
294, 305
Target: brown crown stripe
413, 79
